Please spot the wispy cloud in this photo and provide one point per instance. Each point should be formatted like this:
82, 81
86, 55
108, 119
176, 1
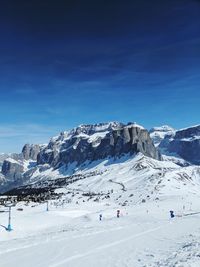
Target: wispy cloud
21, 130
13, 137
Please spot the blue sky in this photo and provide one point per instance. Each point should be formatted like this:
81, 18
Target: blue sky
67, 63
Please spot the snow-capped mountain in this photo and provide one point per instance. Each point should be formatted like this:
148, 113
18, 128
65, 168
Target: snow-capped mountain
81, 145
184, 143
14, 166
73, 151
93, 142
159, 133
129, 178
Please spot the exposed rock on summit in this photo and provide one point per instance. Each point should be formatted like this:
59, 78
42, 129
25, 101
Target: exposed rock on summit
31, 151
93, 142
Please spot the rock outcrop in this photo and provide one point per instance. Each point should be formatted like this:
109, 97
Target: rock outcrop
15, 166
30, 152
12, 169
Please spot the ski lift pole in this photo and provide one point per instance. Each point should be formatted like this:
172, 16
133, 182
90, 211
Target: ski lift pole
9, 206
47, 205
48, 198
9, 220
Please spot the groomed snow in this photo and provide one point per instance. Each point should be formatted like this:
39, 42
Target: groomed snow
70, 233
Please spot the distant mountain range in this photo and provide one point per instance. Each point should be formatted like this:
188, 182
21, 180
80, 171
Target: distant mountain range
68, 152
184, 143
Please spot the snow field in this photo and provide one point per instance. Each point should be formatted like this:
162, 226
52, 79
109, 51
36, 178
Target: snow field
71, 235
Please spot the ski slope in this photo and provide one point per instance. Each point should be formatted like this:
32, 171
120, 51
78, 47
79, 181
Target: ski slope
71, 234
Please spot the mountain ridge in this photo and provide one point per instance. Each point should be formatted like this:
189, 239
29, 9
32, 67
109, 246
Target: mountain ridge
84, 144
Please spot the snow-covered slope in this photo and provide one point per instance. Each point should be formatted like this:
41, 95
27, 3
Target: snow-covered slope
71, 234
148, 178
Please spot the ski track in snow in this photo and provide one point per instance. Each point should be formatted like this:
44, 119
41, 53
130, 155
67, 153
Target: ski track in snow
48, 240
72, 236
119, 243
81, 255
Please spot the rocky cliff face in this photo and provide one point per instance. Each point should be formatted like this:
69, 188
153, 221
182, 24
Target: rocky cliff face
93, 142
31, 151
185, 143
14, 166
12, 169
85, 143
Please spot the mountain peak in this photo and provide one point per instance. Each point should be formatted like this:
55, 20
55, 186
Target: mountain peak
94, 128
159, 133
163, 128
97, 141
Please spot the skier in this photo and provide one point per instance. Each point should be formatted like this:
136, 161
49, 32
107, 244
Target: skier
100, 217
118, 213
172, 214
